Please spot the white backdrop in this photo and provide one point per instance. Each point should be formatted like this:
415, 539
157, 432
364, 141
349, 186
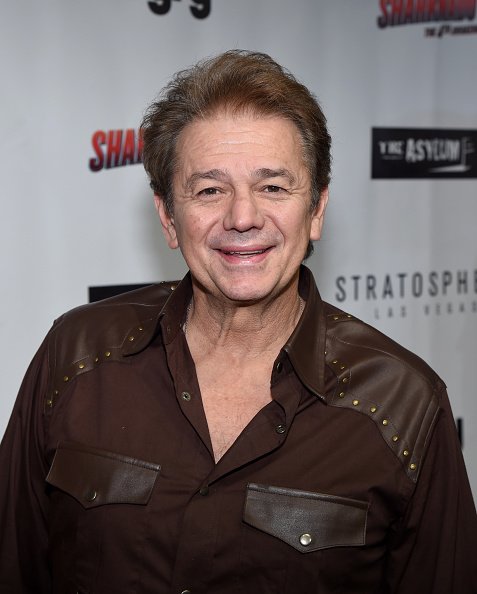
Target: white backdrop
70, 70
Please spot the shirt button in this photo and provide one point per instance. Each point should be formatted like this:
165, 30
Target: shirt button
280, 428
186, 396
204, 490
279, 367
305, 539
186, 592
91, 495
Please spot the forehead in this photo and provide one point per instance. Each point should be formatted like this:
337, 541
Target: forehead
242, 138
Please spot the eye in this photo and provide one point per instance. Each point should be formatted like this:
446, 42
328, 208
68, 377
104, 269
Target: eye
271, 189
208, 192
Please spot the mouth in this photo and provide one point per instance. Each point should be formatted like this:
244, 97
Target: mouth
253, 255
244, 253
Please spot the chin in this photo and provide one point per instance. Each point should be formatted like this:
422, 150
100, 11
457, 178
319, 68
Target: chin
246, 293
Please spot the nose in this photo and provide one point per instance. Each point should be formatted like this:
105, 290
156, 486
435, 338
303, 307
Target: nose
243, 212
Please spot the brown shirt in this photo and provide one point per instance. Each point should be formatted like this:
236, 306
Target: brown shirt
350, 481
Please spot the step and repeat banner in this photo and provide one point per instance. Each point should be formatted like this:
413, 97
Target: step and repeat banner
398, 82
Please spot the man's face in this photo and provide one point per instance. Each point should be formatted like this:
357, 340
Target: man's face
242, 215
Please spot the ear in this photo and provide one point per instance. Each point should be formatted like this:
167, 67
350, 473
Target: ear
318, 216
167, 222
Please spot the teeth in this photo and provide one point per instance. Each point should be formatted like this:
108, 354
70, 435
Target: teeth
246, 253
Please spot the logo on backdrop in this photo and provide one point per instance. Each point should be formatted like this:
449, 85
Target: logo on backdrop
393, 294
200, 9
443, 12
115, 148
406, 153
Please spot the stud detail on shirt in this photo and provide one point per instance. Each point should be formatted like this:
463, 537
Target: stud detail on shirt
346, 396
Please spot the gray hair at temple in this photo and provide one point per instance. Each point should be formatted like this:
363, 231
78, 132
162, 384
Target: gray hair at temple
237, 82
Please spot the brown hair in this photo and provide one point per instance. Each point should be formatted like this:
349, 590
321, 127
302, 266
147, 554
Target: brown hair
237, 81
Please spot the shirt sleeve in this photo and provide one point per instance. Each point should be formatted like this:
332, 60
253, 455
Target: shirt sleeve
433, 546
23, 498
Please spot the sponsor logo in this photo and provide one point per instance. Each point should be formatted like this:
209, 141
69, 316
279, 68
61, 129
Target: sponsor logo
115, 148
410, 12
392, 295
407, 12
200, 9
423, 153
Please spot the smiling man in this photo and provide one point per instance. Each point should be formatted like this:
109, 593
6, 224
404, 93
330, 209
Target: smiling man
242, 216
232, 432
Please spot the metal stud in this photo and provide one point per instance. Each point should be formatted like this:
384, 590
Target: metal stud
355, 402
140, 328
49, 402
395, 438
342, 367
336, 318
345, 380
413, 466
373, 409
341, 394
335, 361
81, 366
107, 354
405, 453
305, 539
385, 422
96, 359
131, 338
66, 378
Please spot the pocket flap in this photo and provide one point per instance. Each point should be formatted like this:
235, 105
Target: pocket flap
98, 477
306, 521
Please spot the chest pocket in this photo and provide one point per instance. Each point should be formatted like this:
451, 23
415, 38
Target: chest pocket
97, 477
306, 521
90, 526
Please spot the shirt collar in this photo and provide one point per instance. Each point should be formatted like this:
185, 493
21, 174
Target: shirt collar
307, 343
305, 347
174, 312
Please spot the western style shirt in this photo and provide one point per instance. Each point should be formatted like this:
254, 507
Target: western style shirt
351, 480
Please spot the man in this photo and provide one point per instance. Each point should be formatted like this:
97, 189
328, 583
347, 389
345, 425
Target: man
233, 433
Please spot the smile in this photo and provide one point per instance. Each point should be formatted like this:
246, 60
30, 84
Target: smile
243, 256
245, 253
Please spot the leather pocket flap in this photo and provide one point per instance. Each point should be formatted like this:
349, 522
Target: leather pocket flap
306, 521
98, 477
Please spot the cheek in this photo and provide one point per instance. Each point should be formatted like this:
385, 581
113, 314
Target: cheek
295, 227
194, 228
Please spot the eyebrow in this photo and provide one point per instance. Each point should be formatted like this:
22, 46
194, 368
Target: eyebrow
222, 175
266, 173
215, 174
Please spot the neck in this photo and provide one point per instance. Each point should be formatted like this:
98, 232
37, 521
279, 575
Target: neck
242, 330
